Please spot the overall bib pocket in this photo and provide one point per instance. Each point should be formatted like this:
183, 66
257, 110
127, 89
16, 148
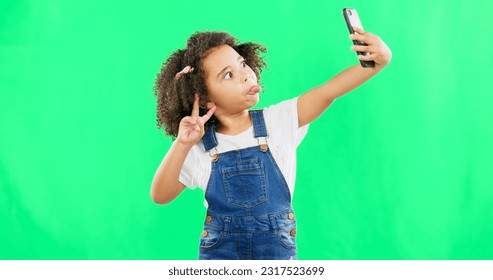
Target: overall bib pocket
244, 184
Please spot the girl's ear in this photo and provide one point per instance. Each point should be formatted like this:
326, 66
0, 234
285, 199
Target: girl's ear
210, 104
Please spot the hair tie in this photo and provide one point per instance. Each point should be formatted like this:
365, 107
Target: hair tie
185, 70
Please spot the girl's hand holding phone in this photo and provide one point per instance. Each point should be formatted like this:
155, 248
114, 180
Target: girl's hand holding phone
377, 49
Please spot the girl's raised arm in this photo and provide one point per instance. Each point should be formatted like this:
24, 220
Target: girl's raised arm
165, 185
314, 102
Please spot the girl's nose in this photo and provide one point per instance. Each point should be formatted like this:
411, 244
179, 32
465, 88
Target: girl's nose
245, 75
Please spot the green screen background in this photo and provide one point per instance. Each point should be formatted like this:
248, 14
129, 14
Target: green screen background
400, 168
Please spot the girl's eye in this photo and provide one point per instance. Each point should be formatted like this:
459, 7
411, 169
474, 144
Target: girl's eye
228, 76
243, 64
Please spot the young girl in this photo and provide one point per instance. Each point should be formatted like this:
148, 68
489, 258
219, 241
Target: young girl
244, 160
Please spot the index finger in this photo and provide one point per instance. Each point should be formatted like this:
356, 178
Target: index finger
358, 30
195, 109
209, 114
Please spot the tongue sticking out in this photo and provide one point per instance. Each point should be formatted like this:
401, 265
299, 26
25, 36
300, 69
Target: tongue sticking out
255, 89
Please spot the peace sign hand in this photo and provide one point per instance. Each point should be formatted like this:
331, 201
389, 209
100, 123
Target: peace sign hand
191, 128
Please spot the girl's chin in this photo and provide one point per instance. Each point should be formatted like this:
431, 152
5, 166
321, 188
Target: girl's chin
255, 97
253, 100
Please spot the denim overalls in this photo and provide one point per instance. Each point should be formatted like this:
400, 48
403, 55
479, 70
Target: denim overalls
249, 214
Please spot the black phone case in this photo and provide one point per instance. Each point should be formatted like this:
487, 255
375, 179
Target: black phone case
364, 63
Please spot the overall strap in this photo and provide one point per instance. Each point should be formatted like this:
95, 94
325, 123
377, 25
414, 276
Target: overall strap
209, 139
259, 129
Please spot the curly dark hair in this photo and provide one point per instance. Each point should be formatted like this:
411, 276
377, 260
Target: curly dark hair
175, 97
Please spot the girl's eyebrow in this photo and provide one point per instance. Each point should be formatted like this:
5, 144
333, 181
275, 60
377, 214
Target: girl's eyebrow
224, 69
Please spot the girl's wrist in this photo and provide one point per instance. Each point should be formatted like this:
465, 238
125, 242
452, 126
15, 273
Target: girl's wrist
185, 146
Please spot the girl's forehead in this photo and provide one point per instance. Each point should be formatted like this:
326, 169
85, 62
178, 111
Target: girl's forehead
219, 57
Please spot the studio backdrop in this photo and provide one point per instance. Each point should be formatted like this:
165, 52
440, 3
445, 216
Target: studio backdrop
400, 168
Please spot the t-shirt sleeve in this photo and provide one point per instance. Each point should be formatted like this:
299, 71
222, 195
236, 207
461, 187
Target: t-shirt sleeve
192, 173
186, 177
282, 119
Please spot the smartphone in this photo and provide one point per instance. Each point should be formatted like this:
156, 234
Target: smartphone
352, 19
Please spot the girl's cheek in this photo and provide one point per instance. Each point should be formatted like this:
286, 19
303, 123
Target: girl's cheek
253, 75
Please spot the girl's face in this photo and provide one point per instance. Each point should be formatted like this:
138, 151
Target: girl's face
229, 81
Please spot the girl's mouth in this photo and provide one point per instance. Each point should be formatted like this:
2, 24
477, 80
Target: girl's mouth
255, 89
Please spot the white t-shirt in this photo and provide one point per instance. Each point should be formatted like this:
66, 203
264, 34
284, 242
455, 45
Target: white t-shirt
284, 136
